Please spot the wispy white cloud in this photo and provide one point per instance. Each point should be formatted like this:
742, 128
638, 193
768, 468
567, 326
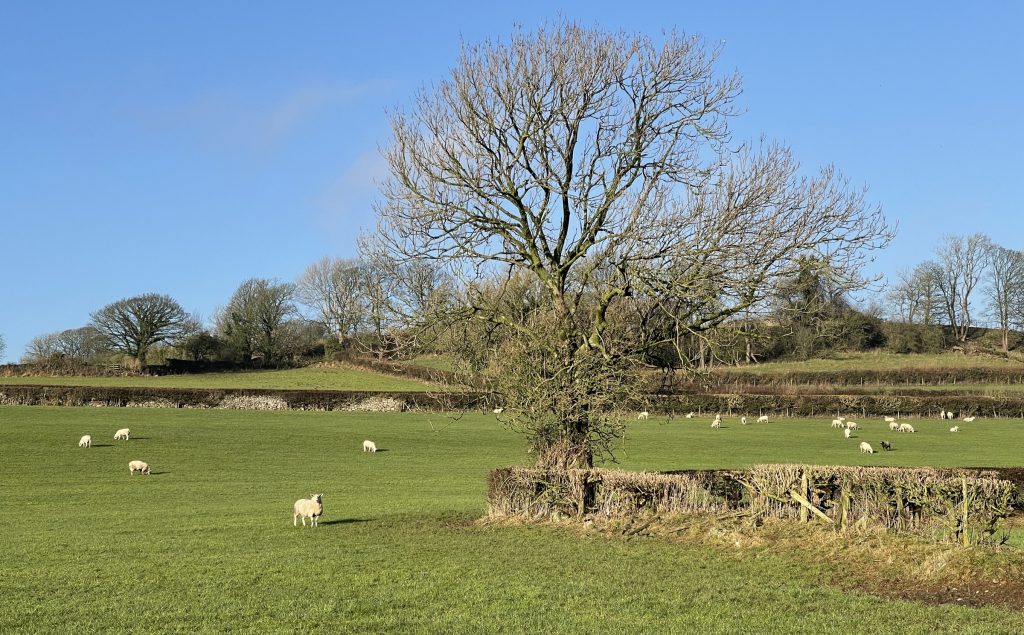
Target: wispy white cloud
346, 203
236, 121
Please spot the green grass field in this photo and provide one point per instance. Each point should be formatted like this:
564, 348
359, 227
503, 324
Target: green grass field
310, 378
206, 543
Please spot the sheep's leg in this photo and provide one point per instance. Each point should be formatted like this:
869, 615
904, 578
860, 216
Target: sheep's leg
295, 520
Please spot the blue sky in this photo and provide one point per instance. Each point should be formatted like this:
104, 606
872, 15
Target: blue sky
184, 148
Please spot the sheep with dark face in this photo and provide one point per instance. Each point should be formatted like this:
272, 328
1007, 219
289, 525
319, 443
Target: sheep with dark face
886, 446
312, 508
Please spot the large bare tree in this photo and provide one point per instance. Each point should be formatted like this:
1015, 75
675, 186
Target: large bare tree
333, 287
596, 170
961, 263
255, 318
133, 325
1005, 287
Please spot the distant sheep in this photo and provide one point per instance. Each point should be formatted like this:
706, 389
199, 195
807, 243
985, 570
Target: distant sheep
762, 419
886, 446
955, 429
852, 425
890, 419
905, 427
847, 432
838, 423
743, 421
866, 447
691, 415
85, 442
717, 423
312, 508
942, 415
498, 411
138, 466
893, 425
643, 416
122, 434
369, 446
949, 415
969, 419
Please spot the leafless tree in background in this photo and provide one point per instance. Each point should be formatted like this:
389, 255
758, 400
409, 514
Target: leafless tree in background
80, 344
599, 166
254, 320
1005, 287
333, 287
916, 298
961, 262
135, 324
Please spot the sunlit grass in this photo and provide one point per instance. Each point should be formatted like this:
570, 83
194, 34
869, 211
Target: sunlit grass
206, 542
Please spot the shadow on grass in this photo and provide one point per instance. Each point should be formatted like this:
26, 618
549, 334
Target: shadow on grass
158, 473
102, 445
344, 521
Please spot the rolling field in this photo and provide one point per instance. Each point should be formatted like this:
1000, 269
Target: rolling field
206, 543
309, 378
877, 361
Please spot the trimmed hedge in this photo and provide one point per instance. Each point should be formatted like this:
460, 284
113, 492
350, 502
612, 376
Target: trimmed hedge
963, 505
896, 377
35, 395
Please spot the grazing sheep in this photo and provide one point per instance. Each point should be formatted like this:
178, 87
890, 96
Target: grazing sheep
85, 442
838, 423
717, 423
955, 429
369, 446
762, 419
949, 415
691, 415
970, 419
312, 508
866, 447
905, 427
886, 446
847, 432
852, 425
743, 420
893, 425
643, 416
122, 434
138, 466
498, 411
890, 419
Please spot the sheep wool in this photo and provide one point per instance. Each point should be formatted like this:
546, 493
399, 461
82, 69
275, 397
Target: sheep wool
122, 434
85, 442
138, 466
369, 446
312, 508
866, 447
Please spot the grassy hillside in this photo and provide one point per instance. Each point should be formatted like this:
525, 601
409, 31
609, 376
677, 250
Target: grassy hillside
206, 543
311, 378
878, 361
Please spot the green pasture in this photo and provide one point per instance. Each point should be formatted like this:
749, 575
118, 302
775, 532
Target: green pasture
309, 378
206, 543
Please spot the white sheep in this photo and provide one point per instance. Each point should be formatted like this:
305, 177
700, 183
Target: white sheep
717, 423
762, 419
852, 425
643, 416
905, 427
970, 419
312, 508
837, 423
122, 434
942, 415
369, 446
890, 419
866, 447
949, 415
691, 415
893, 425
498, 411
847, 432
743, 421
138, 466
85, 442
955, 429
